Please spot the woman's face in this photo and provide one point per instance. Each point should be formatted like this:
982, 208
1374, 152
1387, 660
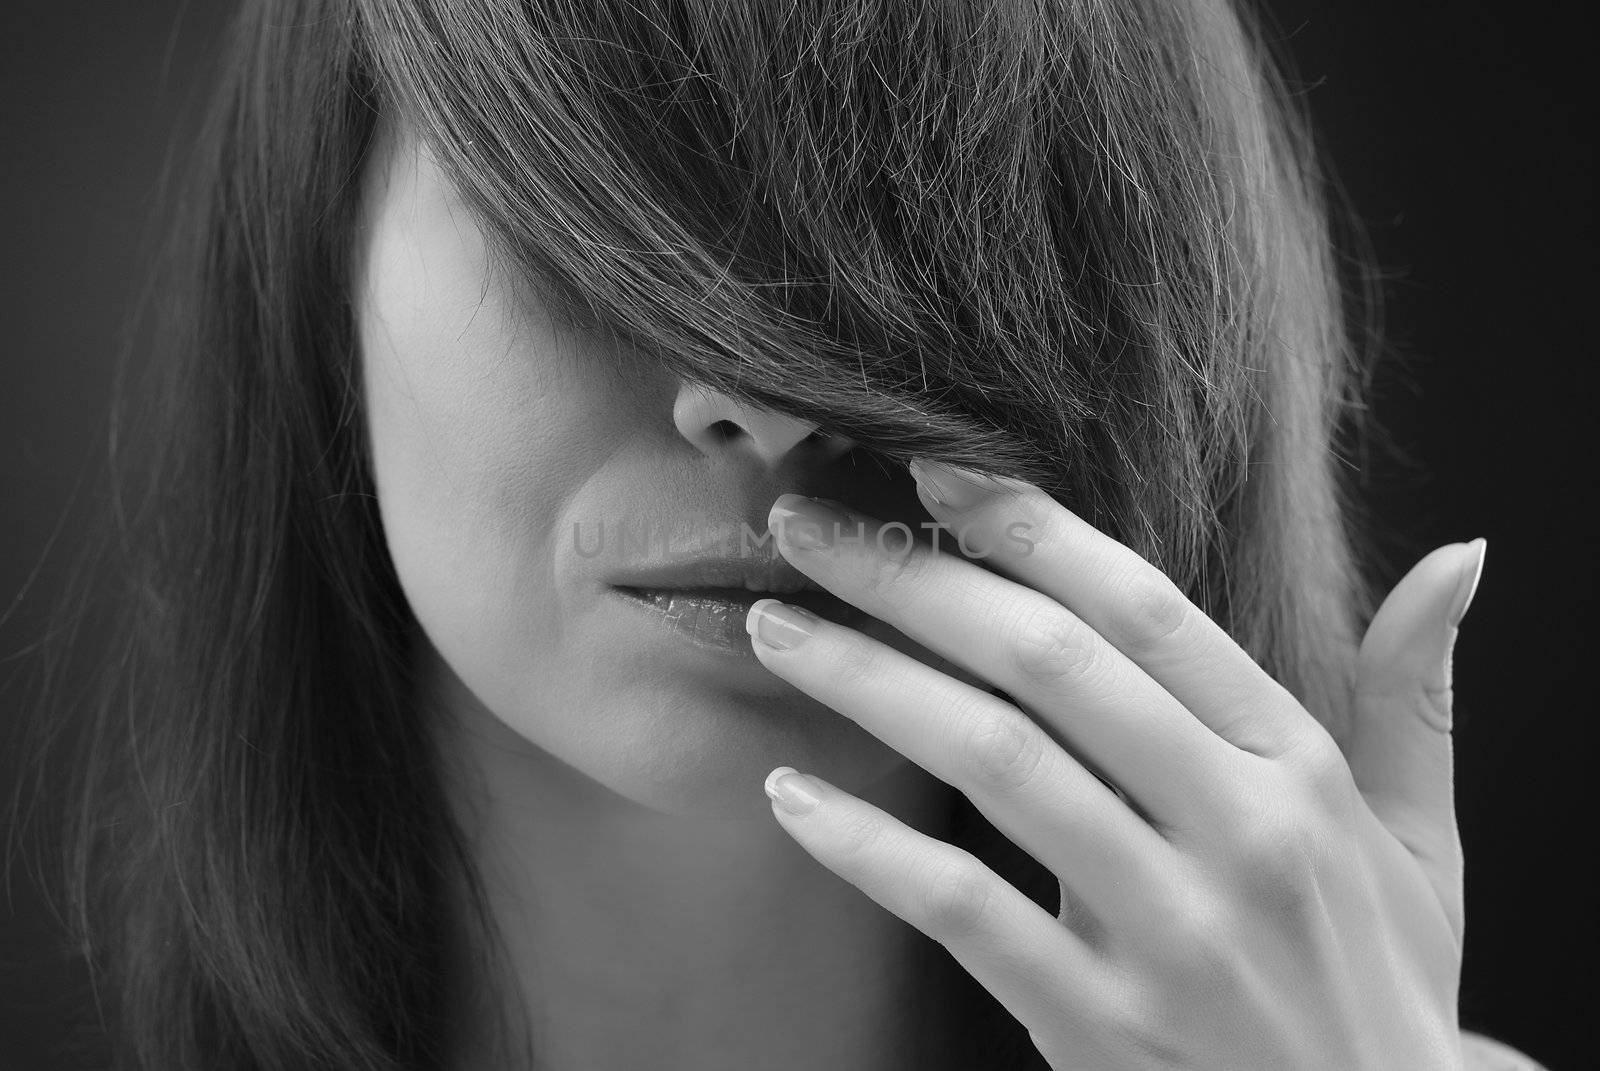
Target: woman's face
526, 470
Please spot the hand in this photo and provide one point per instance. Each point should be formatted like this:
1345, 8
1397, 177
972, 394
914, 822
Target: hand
1258, 898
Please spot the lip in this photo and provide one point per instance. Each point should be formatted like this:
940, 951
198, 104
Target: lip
713, 617
706, 599
767, 574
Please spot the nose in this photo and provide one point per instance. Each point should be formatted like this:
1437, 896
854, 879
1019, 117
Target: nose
715, 422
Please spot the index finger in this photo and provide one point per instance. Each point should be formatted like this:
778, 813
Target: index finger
1028, 536
1108, 712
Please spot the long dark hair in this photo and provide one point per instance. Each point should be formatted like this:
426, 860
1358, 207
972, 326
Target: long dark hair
1082, 243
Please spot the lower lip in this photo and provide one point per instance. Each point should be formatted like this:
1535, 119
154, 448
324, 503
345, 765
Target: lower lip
714, 620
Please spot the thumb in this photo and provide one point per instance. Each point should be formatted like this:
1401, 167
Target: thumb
1400, 744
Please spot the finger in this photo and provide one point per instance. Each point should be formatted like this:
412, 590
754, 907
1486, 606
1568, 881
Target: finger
1025, 534
1039, 971
1112, 716
1003, 761
1400, 750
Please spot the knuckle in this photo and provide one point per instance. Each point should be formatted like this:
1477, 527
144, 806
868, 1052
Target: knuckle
855, 663
1434, 708
956, 898
1151, 612
1317, 763
1048, 527
893, 575
1003, 750
859, 833
1053, 647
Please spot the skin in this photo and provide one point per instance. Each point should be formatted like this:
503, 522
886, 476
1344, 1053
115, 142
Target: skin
1259, 899
605, 772
1254, 897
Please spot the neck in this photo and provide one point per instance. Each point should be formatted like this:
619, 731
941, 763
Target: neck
632, 938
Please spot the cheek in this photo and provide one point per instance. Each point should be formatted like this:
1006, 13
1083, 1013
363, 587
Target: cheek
481, 427
491, 433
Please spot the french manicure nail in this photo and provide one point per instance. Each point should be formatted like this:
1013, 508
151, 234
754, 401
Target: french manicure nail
1470, 576
803, 522
792, 791
779, 625
952, 487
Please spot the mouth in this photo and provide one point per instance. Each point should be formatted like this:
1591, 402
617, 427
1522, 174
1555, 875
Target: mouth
714, 617
706, 597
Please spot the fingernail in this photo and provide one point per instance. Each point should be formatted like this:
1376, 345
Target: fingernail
952, 487
803, 522
779, 625
792, 791
1470, 575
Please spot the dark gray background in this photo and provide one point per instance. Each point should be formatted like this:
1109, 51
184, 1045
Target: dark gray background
1456, 135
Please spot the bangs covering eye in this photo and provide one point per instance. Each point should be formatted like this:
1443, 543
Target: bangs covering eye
1076, 244
828, 216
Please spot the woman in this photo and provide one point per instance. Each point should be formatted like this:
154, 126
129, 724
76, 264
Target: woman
532, 354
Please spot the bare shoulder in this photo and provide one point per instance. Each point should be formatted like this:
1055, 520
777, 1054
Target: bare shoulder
1481, 1053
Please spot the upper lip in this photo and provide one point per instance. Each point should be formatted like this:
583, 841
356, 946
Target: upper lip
750, 573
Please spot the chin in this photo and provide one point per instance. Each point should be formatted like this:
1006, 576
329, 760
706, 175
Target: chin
707, 754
